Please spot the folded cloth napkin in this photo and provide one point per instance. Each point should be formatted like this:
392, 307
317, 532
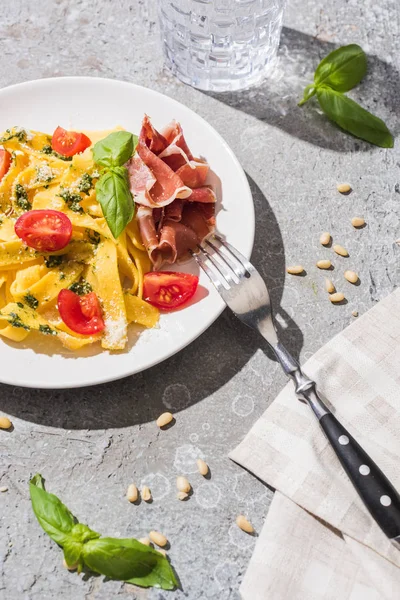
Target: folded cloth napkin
319, 542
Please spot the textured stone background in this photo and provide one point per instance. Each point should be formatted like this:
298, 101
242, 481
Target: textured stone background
91, 443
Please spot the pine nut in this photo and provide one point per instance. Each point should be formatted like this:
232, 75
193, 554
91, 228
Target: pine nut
343, 188
182, 495
3, 488
325, 238
158, 538
133, 493
70, 567
357, 222
351, 276
5, 423
183, 485
324, 264
165, 419
355, 313
340, 250
162, 551
330, 288
244, 524
295, 270
144, 541
202, 467
338, 297
146, 494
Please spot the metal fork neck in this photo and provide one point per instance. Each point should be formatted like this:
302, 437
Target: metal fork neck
304, 387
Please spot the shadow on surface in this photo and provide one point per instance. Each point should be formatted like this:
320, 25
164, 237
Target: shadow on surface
205, 366
275, 100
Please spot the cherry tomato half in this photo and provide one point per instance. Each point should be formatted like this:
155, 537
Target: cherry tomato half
167, 289
82, 314
5, 162
44, 230
69, 143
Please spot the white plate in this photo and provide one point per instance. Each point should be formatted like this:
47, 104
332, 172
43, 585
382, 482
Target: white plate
91, 103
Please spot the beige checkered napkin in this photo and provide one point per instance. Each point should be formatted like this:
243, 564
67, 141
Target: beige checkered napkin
299, 556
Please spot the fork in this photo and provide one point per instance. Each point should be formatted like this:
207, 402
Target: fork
245, 293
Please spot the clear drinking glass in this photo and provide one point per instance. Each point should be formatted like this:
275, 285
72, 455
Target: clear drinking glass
220, 45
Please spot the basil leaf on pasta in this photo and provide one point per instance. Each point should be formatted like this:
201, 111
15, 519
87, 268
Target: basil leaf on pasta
115, 198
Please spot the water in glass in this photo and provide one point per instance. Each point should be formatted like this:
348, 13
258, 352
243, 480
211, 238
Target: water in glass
220, 45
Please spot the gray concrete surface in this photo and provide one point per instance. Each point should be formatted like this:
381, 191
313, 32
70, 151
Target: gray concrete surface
91, 443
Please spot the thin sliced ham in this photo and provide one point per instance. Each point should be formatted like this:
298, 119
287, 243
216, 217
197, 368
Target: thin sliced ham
205, 195
176, 208
194, 173
177, 152
151, 137
167, 185
141, 179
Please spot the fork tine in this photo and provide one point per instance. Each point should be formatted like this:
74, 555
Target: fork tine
209, 271
224, 265
229, 259
238, 255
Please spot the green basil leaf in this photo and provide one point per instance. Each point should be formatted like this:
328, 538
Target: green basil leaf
129, 560
115, 198
82, 533
342, 69
72, 552
52, 514
115, 149
351, 117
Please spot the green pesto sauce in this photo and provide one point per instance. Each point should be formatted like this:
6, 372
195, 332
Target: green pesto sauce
47, 149
21, 197
53, 261
47, 330
16, 321
81, 287
31, 301
93, 236
71, 199
85, 184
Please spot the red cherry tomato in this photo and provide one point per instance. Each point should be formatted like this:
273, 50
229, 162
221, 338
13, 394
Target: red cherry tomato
167, 289
69, 143
5, 162
82, 314
44, 230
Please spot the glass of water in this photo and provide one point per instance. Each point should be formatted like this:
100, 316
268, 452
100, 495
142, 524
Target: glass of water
220, 45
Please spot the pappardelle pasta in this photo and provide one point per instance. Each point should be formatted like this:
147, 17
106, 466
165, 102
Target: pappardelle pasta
89, 289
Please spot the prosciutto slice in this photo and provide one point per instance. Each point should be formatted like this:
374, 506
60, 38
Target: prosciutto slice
176, 208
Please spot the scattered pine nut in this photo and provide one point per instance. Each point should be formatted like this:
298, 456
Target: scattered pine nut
165, 419
202, 467
355, 313
5, 423
340, 250
295, 269
3, 488
244, 524
183, 485
158, 538
145, 541
330, 288
146, 493
351, 276
357, 222
182, 495
343, 188
133, 493
337, 297
70, 567
324, 264
325, 238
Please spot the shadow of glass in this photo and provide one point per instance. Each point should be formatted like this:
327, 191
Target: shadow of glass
275, 100
181, 381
